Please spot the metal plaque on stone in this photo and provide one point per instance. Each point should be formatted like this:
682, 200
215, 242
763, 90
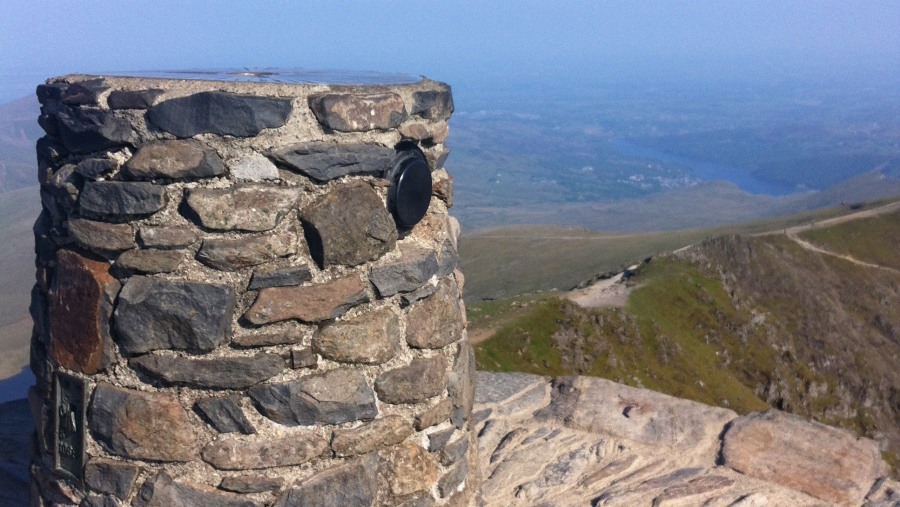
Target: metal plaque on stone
69, 422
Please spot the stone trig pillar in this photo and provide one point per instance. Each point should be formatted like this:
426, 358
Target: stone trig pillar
247, 294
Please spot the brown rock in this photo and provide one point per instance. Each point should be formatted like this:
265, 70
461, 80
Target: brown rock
251, 483
162, 491
389, 430
358, 113
239, 452
211, 373
349, 235
108, 476
101, 237
415, 130
139, 425
348, 485
252, 208
408, 468
436, 321
313, 303
174, 159
303, 358
408, 273
151, 261
370, 338
821, 461
442, 186
234, 254
165, 237
461, 384
81, 300
433, 104
452, 479
267, 339
419, 380
434, 415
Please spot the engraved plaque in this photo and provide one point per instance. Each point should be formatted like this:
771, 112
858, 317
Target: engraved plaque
69, 422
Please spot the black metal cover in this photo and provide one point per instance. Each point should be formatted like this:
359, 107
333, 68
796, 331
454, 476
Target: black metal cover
410, 192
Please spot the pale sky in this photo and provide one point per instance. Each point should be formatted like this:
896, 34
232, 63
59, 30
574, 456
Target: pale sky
454, 41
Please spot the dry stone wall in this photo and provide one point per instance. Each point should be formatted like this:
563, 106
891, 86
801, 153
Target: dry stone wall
226, 309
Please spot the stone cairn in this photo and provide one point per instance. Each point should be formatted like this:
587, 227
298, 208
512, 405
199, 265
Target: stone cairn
229, 310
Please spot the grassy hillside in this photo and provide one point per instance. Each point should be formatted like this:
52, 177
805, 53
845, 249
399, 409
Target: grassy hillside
18, 210
740, 322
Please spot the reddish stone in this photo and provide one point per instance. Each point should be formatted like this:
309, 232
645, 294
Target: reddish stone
308, 303
80, 306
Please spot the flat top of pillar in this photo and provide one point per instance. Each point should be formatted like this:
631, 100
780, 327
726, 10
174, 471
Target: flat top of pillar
276, 75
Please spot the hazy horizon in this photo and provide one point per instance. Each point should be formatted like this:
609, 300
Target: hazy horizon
464, 43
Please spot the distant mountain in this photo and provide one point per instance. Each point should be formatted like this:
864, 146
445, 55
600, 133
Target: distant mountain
18, 132
805, 321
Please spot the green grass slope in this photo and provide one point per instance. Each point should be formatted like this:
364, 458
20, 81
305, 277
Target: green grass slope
740, 322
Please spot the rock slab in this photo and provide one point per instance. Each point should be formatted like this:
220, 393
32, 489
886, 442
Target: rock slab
238, 452
174, 159
333, 397
154, 314
163, 491
139, 425
825, 462
327, 161
214, 373
358, 113
350, 485
370, 338
253, 208
313, 303
219, 113
421, 379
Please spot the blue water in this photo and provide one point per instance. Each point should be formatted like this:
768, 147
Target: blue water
16, 387
707, 170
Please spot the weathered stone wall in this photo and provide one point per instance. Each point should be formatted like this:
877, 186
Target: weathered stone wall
226, 311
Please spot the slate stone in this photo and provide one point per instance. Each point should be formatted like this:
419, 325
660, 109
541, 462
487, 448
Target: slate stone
85, 129
339, 234
369, 338
825, 462
140, 425
122, 199
267, 339
50, 92
348, 485
253, 208
461, 384
101, 237
84, 93
438, 439
252, 167
112, 477
408, 273
358, 113
219, 113
132, 99
80, 306
433, 104
420, 293
454, 451
231, 254
166, 236
224, 414
50, 152
390, 430
421, 379
174, 159
238, 452
280, 277
93, 168
451, 480
434, 415
49, 124
251, 483
313, 303
408, 468
447, 258
303, 358
150, 261
157, 314
163, 491
94, 500
436, 321
211, 373
332, 397
324, 161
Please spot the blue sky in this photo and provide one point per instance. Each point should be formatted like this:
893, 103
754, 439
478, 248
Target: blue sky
455, 41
